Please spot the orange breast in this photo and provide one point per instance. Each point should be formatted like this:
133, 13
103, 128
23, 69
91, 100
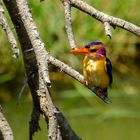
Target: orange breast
94, 72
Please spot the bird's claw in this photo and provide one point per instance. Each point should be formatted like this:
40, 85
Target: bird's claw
104, 97
85, 82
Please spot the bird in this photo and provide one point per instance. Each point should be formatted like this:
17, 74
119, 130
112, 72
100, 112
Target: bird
97, 69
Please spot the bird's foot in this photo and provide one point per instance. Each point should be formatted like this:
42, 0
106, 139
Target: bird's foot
99, 92
85, 82
102, 94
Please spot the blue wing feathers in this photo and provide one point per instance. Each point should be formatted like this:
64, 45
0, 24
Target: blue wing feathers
109, 69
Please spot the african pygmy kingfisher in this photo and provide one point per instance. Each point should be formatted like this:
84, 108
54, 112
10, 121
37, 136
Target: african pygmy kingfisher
97, 69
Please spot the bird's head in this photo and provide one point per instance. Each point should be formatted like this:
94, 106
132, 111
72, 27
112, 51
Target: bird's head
93, 47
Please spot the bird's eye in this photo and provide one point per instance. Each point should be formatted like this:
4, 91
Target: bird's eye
93, 50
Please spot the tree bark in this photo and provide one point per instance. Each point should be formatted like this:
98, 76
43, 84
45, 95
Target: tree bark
5, 130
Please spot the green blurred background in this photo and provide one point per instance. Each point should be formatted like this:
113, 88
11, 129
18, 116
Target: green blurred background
87, 114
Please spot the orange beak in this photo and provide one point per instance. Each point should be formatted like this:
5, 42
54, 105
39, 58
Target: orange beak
80, 51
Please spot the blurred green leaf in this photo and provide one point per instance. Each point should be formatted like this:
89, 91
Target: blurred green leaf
84, 111
6, 77
117, 113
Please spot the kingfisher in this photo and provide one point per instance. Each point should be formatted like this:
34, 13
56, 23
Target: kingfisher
97, 69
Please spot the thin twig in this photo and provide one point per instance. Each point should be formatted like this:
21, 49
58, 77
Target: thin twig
68, 23
107, 29
9, 33
86, 8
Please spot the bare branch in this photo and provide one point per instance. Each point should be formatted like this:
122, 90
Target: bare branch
5, 130
65, 68
9, 33
49, 110
68, 22
58, 127
76, 75
36, 41
83, 6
